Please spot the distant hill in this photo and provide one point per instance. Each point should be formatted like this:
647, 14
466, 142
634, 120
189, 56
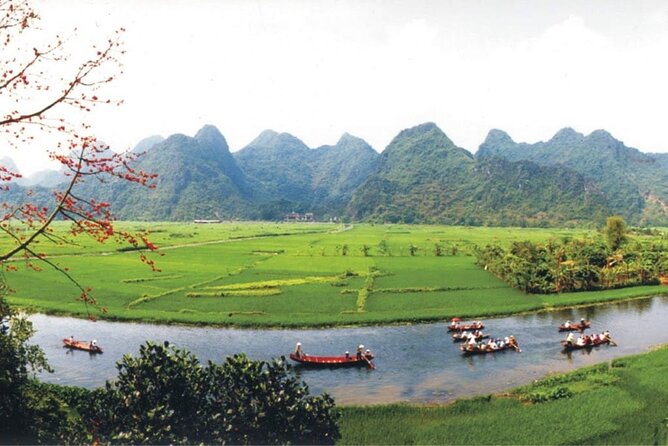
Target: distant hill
634, 184
197, 178
286, 175
423, 177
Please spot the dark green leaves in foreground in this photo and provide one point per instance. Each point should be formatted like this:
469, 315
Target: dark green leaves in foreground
165, 396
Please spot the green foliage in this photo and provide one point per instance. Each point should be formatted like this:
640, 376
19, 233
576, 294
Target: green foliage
572, 265
615, 232
165, 396
18, 360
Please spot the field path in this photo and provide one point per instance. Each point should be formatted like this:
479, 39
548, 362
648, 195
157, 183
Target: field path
188, 245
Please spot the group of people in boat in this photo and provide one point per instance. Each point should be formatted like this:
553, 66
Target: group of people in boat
456, 326
360, 353
586, 340
90, 346
491, 345
568, 325
466, 335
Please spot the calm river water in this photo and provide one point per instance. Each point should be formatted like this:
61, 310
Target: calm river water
417, 363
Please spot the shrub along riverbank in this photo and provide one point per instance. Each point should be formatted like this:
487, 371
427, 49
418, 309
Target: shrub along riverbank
279, 275
624, 401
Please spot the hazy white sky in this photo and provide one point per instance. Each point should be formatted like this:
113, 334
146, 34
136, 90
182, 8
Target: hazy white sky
317, 69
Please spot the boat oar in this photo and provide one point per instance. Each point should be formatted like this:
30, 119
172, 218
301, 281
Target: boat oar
614, 344
369, 364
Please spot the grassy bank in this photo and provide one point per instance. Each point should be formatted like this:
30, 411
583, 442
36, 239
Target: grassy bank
261, 274
621, 402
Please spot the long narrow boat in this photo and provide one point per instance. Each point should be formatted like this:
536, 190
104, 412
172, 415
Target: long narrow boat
333, 361
481, 349
575, 327
570, 347
466, 327
82, 345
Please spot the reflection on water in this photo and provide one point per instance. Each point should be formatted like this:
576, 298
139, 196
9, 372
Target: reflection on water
416, 363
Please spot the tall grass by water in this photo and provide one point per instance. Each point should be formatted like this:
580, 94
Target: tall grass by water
621, 402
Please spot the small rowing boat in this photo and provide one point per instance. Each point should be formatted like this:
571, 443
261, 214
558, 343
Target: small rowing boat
484, 348
575, 327
333, 361
587, 343
82, 345
466, 327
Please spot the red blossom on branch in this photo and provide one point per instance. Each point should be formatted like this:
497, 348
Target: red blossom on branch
38, 87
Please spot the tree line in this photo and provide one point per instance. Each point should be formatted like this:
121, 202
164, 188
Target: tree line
603, 262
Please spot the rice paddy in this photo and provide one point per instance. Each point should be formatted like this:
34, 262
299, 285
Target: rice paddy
274, 275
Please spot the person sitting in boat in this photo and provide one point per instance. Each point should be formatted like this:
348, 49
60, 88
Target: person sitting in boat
580, 342
567, 324
583, 322
298, 350
367, 353
605, 335
472, 341
595, 338
347, 355
570, 338
71, 338
360, 350
93, 344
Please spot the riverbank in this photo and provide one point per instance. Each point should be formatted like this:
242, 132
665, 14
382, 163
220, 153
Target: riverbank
416, 363
622, 401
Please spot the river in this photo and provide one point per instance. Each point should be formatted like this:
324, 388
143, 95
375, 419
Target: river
415, 363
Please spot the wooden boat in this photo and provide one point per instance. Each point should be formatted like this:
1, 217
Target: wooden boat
334, 361
466, 327
459, 337
575, 327
82, 345
574, 346
478, 349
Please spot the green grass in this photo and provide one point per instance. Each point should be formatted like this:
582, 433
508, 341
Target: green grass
262, 274
622, 402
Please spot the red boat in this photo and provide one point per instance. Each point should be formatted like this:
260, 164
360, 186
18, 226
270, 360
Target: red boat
334, 361
481, 349
82, 345
575, 327
466, 327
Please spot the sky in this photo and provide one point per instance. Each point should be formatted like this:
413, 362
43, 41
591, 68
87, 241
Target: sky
317, 69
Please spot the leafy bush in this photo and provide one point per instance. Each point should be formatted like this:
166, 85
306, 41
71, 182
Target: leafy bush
165, 396
552, 394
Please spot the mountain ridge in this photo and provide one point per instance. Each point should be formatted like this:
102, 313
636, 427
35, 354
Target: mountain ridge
421, 176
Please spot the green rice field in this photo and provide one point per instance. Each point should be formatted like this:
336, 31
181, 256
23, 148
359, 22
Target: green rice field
620, 402
273, 275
